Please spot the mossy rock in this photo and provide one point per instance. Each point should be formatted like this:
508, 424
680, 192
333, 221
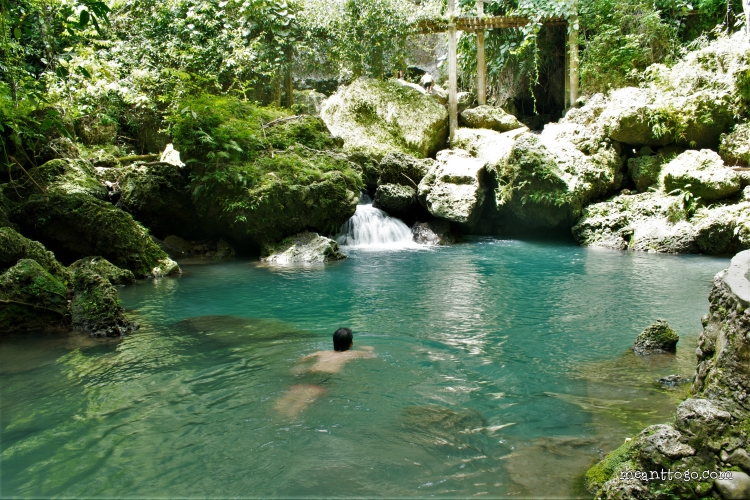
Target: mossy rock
382, 117
489, 117
616, 461
31, 299
105, 269
303, 248
77, 225
395, 199
4, 209
307, 130
284, 194
656, 338
702, 173
14, 247
403, 169
67, 176
735, 147
157, 196
95, 307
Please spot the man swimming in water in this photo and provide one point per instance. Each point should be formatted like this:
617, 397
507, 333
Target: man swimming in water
298, 397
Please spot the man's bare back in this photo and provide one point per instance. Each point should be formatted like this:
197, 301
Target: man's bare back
333, 361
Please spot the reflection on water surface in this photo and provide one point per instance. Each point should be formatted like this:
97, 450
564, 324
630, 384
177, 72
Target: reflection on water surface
502, 369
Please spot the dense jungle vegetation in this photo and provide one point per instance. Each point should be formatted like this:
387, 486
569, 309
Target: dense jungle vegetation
121, 76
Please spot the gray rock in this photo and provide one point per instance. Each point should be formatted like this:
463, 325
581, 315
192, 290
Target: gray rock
302, 248
735, 147
701, 417
737, 488
454, 189
379, 117
434, 232
702, 173
672, 381
403, 169
395, 199
645, 171
62, 147
663, 440
657, 338
490, 117
740, 458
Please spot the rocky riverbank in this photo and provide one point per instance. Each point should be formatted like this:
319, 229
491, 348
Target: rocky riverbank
710, 435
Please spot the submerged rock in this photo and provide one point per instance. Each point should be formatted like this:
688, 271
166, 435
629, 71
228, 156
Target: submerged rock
490, 117
381, 117
657, 338
434, 232
455, 188
702, 173
302, 248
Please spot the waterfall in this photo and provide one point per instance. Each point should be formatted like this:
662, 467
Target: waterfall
373, 228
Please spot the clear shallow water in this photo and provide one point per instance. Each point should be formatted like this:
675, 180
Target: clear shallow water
501, 370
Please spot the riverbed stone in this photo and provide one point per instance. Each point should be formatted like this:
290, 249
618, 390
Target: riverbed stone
489, 117
737, 488
702, 173
659, 337
380, 117
395, 199
302, 248
455, 188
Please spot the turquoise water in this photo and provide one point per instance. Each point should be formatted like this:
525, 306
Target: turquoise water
501, 370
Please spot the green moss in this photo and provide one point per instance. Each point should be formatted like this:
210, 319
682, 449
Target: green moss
102, 267
68, 176
95, 307
645, 171
31, 298
307, 130
78, 225
613, 463
14, 247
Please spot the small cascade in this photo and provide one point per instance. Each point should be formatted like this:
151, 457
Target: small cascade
371, 227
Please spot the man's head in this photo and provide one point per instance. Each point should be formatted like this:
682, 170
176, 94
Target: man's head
342, 339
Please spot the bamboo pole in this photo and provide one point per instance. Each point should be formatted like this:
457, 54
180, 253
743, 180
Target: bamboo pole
573, 43
481, 66
452, 72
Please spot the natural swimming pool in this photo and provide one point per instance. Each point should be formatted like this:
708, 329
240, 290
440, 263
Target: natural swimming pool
502, 369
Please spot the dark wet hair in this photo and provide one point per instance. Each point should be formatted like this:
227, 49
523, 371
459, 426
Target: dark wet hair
342, 339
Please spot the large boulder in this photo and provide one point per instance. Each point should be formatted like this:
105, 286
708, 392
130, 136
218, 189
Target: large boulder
722, 229
735, 147
105, 269
14, 247
489, 117
380, 117
156, 196
303, 248
702, 173
291, 191
395, 199
68, 176
487, 145
645, 171
434, 232
77, 225
455, 188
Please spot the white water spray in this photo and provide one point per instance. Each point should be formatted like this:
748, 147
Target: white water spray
371, 227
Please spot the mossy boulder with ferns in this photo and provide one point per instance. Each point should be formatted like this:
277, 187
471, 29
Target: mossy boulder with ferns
702, 173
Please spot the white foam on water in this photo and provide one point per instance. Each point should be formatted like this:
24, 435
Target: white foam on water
372, 229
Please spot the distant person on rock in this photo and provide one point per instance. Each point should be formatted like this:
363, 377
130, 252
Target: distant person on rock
427, 82
299, 396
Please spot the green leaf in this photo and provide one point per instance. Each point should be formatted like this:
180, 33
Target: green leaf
17, 33
83, 21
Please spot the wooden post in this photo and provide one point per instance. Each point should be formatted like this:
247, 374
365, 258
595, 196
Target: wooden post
573, 44
481, 67
566, 77
452, 72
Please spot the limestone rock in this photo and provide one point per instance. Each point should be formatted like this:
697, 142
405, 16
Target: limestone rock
663, 440
723, 229
434, 232
737, 488
395, 199
735, 147
102, 267
645, 171
303, 248
403, 169
454, 189
14, 247
382, 117
657, 338
490, 117
488, 145
59, 148
702, 173
66, 176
